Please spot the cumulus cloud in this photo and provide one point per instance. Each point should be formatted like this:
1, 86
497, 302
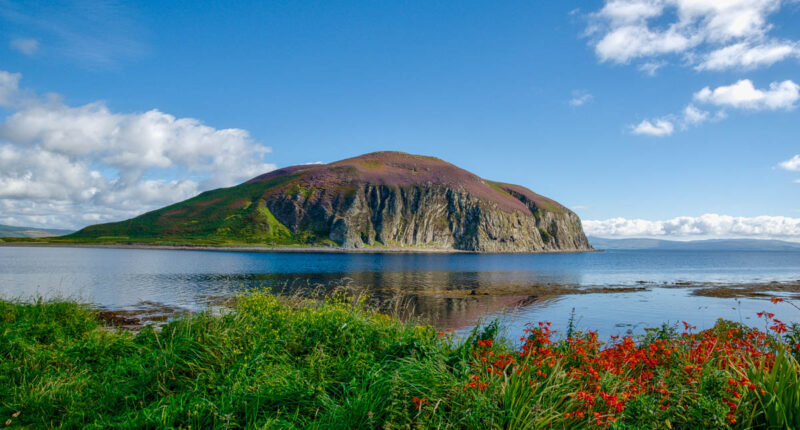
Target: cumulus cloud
792, 164
705, 226
743, 95
710, 34
694, 116
580, 98
658, 128
747, 56
9, 88
58, 161
633, 41
25, 46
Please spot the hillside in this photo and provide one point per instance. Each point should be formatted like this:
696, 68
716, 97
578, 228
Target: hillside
389, 199
32, 232
695, 245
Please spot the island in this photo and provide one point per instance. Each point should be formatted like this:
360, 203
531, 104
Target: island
381, 200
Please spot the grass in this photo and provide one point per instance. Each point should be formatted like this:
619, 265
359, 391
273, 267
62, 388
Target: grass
237, 214
272, 362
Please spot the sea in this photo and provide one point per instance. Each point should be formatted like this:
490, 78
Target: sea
615, 292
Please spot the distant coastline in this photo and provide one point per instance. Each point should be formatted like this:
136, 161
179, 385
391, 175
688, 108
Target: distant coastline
694, 245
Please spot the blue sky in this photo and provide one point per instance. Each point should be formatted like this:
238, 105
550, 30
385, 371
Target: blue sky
581, 101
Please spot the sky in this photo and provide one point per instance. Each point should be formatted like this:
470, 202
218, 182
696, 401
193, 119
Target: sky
675, 119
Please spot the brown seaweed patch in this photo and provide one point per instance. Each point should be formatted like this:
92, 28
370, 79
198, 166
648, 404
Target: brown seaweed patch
753, 290
139, 315
118, 319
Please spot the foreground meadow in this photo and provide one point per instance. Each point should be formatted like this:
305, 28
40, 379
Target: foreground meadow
272, 362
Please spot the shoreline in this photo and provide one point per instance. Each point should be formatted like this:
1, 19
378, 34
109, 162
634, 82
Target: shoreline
282, 249
156, 313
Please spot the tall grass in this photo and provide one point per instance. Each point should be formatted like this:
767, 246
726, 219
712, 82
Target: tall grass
291, 363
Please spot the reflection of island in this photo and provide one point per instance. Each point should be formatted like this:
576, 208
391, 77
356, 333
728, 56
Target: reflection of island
445, 299
454, 300
463, 312
410, 282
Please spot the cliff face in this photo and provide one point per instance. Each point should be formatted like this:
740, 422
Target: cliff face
381, 199
428, 216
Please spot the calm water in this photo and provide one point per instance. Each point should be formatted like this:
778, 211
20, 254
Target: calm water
516, 288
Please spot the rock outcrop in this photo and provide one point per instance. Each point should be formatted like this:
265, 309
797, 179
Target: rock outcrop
388, 199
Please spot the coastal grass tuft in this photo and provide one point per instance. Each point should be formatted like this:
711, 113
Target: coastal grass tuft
277, 362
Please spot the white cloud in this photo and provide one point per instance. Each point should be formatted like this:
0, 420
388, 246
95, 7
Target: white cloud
709, 34
633, 41
652, 67
792, 164
631, 11
724, 20
93, 33
9, 88
694, 116
747, 56
743, 95
705, 226
54, 157
136, 142
56, 213
658, 128
25, 46
580, 98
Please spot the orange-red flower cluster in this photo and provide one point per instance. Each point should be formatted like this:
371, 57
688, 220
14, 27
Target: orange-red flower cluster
607, 377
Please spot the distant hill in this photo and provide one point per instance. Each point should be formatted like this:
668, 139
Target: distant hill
383, 199
33, 232
695, 245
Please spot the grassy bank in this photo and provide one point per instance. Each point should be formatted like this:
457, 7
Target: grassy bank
280, 363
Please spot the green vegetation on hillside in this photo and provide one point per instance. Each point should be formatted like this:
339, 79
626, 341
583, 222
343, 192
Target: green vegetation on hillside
289, 363
235, 215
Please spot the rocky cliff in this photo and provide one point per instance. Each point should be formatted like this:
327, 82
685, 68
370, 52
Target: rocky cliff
388, 199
